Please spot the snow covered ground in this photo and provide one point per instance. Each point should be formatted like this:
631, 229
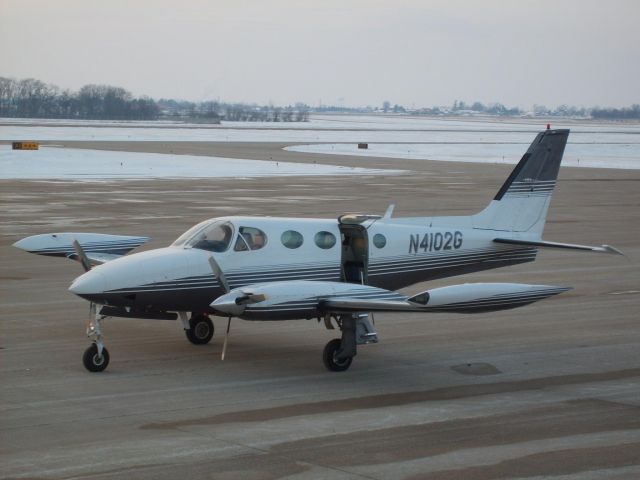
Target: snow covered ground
320, 128
610, 145
90, 133
351, 122
98, 165
607, 155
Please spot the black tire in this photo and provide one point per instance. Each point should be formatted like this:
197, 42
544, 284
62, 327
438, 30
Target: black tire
92, 361
329, 357
201, 331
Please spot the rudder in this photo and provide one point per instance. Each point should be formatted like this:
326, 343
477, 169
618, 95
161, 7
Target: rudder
522, 202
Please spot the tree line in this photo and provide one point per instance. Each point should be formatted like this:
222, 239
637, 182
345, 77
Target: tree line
212, 111
497, 109
31, 98
632, 112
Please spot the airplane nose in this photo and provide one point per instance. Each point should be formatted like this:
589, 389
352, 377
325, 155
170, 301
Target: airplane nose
91, 283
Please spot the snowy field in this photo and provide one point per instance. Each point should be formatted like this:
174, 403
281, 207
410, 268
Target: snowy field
483, 140
608, 155
347, 122
325, 129
284, 135
97, 165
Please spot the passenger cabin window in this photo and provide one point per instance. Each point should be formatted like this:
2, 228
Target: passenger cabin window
212, 236
379, 240
325, 240
292, 239
250, 238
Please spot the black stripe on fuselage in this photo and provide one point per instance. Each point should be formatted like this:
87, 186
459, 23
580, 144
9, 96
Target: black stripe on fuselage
197, 292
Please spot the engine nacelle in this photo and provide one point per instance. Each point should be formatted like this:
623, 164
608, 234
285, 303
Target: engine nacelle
304, 293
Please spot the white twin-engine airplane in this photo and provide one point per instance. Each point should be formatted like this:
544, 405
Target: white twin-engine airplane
264, 268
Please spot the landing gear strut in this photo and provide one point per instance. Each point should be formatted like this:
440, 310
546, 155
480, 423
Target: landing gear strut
96, 357
200, 330
356, 330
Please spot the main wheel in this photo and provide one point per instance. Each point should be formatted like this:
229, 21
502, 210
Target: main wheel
94, 362
330, 360
201, 331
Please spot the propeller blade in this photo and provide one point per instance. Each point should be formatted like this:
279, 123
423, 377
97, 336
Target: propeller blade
86, 264
217, 271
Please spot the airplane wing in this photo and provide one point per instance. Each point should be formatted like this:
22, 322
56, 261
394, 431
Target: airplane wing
464, 298
98, 247
321, 298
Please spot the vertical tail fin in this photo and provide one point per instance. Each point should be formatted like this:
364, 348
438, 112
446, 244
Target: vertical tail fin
522, 202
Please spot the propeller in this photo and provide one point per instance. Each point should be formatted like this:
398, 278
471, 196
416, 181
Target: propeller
217, 271
226, 338
82, 257
86, 265
230, 304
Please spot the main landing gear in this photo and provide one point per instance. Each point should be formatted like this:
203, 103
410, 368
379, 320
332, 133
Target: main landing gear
200, 329
96, 357
356, 330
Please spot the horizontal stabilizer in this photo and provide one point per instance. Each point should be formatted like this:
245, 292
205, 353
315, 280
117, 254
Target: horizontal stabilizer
570, 246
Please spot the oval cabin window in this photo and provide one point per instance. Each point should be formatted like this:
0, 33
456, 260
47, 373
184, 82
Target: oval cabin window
292, 239
379, 240
325, 240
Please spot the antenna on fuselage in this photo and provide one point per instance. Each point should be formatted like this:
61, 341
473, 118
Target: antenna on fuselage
387, 214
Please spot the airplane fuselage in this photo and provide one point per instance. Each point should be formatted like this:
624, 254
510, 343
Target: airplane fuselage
380, 252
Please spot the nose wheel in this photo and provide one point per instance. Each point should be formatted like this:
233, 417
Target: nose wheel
95, 361
96, 357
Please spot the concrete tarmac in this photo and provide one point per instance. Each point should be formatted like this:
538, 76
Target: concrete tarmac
551, 390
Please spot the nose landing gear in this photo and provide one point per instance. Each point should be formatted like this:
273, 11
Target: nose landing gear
94, 361
96, 357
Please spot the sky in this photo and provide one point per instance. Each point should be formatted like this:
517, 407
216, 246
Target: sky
333, 52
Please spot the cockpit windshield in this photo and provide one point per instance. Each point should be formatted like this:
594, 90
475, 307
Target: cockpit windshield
214, 236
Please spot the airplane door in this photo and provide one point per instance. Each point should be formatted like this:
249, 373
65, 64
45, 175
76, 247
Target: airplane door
355, 253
